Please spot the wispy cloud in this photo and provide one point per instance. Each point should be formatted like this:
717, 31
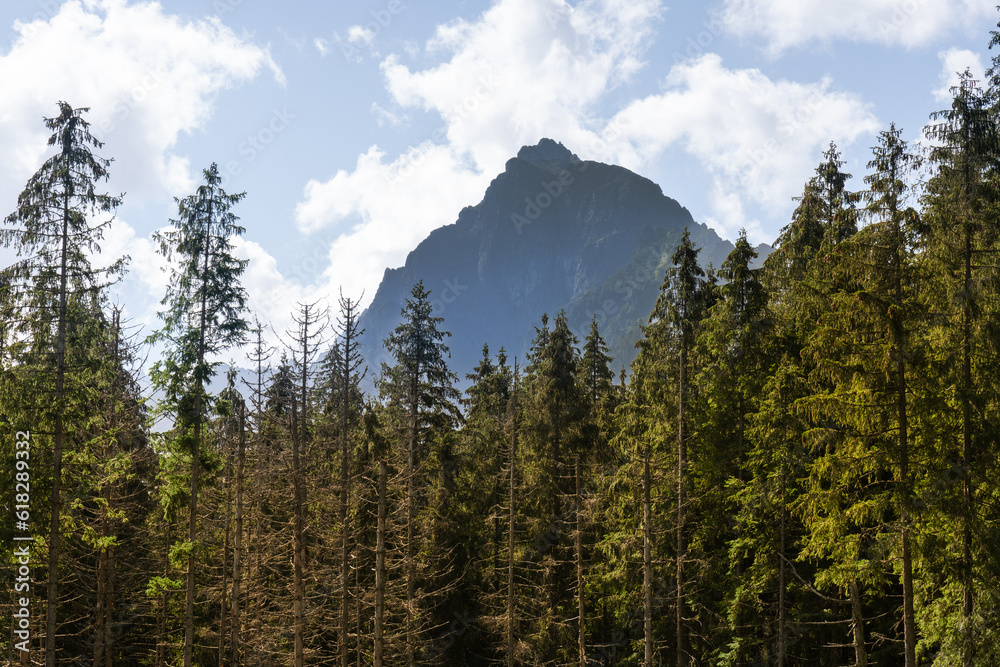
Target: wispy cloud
785, 24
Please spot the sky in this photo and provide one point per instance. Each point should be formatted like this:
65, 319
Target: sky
357, 128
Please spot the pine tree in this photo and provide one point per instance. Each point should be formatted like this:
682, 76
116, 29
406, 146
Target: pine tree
838, 215
481, 492
306, 340
348, 398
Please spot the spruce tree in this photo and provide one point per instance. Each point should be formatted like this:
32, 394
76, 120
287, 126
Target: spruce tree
961, 252
680, 307
595, 365
204, 315
862, 353
734, 350
52, 235
419, 386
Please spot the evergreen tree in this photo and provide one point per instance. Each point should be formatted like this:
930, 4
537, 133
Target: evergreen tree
838, 215
733, 345
595, 366
961, 251
51, 233
679, 308
204, 315
862, 351
554, 427
419, 386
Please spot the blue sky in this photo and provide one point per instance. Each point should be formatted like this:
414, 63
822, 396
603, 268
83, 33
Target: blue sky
357, 128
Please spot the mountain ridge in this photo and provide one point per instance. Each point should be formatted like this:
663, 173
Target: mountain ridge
552, 232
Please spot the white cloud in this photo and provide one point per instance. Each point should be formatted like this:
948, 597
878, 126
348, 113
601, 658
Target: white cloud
394, 204
908, 23
322, 46
954, 62
758, 138
387, 117
146, 268
272, 296
147, 77
524, 70
528, 69
360, 36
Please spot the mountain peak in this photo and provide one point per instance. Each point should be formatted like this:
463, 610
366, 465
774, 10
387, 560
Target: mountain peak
546, 151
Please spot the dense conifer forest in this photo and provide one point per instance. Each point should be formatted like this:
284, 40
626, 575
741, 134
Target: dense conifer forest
798, 469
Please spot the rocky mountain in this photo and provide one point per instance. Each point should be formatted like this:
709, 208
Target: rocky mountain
552, 232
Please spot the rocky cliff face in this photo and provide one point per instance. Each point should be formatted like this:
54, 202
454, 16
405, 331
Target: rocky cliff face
552, 232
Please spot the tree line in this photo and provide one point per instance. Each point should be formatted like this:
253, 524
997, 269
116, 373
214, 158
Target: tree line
796, 471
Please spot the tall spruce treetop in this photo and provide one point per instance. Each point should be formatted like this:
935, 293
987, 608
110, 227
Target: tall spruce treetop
554, 392
342, 367
492, 384
205, 301
595, 366
538, 345
839, 215
967, 143
743, 293
49, 229
679, 305
799, 240
421, 371
562, 356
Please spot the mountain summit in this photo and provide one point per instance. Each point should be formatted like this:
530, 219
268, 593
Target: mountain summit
547, 152
552, 232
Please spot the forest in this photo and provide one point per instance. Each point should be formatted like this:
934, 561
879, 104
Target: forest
795, 470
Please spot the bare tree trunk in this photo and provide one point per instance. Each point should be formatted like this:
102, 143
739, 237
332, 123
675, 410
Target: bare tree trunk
860, 654
411, 511
109, 608
647, 561
102, 564
192, 535
681, 454
581, 625
259, 579
298, 593
221, 652
234, 638
510, 549
344, 499
52, 601
357, 607
161, 612
967, 602
380, 566
909, 626
782, 584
